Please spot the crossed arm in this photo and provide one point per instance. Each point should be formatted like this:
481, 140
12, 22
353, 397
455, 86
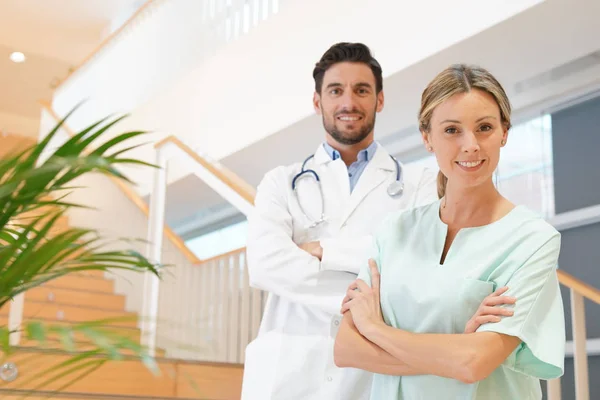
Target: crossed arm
364, 341
278, 265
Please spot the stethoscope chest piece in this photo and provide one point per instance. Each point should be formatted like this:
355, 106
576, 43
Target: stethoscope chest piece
395, 189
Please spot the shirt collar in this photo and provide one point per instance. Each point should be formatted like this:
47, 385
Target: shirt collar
363, 155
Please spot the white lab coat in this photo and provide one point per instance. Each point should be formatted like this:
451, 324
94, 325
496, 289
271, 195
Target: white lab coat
292, 357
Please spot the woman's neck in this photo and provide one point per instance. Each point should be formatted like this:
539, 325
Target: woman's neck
472, 206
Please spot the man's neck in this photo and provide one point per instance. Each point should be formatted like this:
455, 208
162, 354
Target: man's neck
349, 152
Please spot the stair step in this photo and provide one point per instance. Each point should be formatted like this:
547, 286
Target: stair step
78, 347
129, 377
84, 283
11, 144
76, 297
65, 312
128, 332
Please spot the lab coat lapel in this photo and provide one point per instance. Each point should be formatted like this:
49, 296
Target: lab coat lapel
337, 176
376, 172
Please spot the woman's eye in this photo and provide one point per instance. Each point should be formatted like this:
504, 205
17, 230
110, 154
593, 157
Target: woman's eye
451, 130
486, 128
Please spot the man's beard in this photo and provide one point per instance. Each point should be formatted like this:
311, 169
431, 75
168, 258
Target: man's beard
342, 138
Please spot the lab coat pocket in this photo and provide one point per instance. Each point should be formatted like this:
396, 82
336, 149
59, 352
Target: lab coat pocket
471, 293
262, 357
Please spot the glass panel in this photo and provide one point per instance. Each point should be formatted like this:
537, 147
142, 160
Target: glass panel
525, 174
218, 242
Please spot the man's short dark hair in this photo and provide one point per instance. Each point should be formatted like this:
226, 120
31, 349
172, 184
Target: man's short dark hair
347, 52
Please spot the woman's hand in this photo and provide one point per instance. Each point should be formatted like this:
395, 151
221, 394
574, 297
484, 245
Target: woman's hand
363, 301
489, 312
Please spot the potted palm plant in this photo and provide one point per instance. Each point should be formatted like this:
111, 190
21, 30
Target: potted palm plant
34, 187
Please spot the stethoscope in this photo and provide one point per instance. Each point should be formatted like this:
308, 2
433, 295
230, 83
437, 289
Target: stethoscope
395, 189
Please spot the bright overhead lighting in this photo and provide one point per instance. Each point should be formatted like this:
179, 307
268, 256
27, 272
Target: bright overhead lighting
17, 57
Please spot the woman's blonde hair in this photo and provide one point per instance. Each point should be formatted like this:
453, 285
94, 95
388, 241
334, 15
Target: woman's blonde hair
456, 79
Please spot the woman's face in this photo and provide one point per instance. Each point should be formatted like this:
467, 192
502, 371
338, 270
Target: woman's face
466, 134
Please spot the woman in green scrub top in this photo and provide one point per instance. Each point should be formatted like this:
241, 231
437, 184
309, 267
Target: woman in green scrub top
433, 266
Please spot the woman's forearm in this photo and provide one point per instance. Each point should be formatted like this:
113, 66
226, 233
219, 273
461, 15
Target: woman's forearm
465, 357
354, 351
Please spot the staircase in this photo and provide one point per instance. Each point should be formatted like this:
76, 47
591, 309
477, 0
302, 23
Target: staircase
90, 296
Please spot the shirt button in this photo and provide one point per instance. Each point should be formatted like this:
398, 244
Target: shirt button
336, 322
329, 379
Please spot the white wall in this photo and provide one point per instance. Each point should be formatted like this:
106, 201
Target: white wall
262, 82
114, 216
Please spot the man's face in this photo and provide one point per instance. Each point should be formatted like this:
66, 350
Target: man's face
348, 102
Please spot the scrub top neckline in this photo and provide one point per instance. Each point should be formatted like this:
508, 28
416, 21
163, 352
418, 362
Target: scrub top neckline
443, 231
508, 214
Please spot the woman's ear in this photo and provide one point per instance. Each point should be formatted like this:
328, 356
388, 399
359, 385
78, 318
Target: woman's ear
504, 136
425, 137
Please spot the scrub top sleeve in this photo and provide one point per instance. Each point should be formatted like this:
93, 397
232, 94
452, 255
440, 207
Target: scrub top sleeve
538, 318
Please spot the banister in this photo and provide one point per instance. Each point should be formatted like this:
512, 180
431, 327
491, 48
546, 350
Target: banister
134, 198
232, 180
224, 255
106, 41
578, 286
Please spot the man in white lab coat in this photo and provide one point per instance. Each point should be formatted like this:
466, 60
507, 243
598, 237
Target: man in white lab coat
311, 232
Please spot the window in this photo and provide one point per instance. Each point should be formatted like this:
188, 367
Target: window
525, 174
218, 242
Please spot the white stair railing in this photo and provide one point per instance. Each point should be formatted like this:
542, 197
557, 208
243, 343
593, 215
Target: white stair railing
199, 311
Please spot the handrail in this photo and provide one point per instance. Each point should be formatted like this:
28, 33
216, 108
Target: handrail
228, 177
135, 198
578, 286
105, 42
224, 255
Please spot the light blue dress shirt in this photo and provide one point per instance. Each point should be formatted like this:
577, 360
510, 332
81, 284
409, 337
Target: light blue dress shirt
418, 294
355, 169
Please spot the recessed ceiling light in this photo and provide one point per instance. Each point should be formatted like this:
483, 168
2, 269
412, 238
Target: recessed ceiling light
17, 57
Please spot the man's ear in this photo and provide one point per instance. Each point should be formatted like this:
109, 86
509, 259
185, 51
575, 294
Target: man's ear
317, 103
380, 101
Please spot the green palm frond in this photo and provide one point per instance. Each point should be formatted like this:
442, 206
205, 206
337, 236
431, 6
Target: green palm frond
34, 191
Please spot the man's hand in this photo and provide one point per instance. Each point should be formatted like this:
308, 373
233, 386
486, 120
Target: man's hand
313, 248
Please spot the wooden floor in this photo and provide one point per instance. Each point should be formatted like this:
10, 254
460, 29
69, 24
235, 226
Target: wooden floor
129, 377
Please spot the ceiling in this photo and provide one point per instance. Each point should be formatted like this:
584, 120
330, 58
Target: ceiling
54, 35
542, 56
